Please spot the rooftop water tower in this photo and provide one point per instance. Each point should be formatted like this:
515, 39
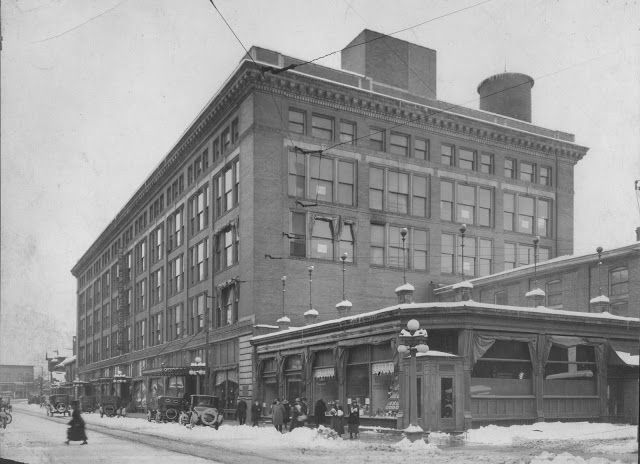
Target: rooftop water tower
508, 94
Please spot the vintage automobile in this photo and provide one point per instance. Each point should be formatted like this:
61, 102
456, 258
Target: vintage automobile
165, 408
109, 406
58, 404
207, 410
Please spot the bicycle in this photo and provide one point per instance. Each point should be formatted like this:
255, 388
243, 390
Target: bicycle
6, 419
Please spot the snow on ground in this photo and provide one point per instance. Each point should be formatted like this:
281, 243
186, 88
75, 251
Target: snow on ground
588, 439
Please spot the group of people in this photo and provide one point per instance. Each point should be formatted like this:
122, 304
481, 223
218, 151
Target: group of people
241, 412
284, 414
351, 417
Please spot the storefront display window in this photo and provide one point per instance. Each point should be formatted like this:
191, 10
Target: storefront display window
176, 386
226, 388
503, 369
325, 385
269, 385
156, 386
570, 371
293, 378
140, 394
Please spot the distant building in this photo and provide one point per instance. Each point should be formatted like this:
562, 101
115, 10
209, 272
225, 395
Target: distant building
16, 380
285, 170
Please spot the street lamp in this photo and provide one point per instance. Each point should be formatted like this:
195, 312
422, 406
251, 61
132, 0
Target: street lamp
599, 251
403, 234
343, 258
284, 283
536, 240
197, 368
413, 340
310, 269
463, 229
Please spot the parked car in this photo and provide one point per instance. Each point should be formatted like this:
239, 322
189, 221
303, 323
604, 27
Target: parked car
207, 409
165, 408
58, 404
109, 406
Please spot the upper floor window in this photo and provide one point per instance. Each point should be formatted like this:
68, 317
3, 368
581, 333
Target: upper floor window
322, 127
155, 240
619, 281
509, 168
296, 121
227, 188
376, 138
402, 193
528, 219
140, 252
199, 261
235, 131
227, 312
519, 254
527, 172
386, 248
175, 230
466, 159
486, 163
175, 276
322, 239
225, 140
545, 175
156, 286
297, 235
226, 248
476, 259
348, 132
447, 155
473, 204
329, 179
399, 144
421, 149
199, 209
196, 311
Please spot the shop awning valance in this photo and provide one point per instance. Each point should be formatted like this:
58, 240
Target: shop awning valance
382, 368
165, 371
324, 373
101, 380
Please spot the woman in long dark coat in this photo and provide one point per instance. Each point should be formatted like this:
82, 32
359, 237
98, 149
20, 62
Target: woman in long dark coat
319, 412
76, 431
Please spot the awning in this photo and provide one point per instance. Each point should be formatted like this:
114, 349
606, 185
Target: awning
324, 373
165, 371
382, 368
66, 362
627, 358
101, 380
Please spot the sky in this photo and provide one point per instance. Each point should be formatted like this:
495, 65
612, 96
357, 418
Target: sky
95, 93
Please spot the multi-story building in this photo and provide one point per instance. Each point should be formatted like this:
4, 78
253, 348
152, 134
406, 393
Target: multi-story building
16, 380
287, 169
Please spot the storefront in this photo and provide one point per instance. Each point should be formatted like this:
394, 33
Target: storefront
514, 366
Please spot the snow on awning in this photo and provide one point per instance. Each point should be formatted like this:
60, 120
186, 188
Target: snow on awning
382, 368
628, 358
324, 373
570, 375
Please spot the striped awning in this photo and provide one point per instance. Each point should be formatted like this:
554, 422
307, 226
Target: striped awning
324, 373
382, 368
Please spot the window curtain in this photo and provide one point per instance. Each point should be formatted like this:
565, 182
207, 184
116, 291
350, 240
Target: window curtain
481, 344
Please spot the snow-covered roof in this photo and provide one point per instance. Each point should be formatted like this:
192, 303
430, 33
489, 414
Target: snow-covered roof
407, 287
534, 292
463, 284
67, 361
284, 319
599, 299
454, 304
559, 261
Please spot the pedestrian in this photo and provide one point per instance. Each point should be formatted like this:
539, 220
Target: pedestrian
256, 412
296, 414
4, 418
339, 421
277, 415
287, 413
319, 411
76, 431
241, 411
354, 420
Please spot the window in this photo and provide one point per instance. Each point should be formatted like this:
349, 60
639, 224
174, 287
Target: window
196, 313
543, 218
199, 210
347, 241
175, 271
545, 175
421, 149
509, 255
235, 134
525, 254
553, 293
225, 140
446, 200
419, 250
140, 329
175, 230
348, 132
297, 237
419, 197
156, 330
228, 310
174, 322
485, 257
465, 204
399, 144
216, 150
321, 178
485, 202
226, 256
509, 168
505, 369
377, 245
486, 163
141, 295
398, 195
509, 210
345, 183
467, 258
466, 199
395, 256
376, 139
296, 174
376, 188
296, 121
447, 253
446, 155
619, 282
466, 159
156, 245
199, 261
525, 214
322, 239
228, 188
156, 286
322, 127
527, 172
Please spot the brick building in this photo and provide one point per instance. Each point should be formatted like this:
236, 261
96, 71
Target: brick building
285, 170
16, 380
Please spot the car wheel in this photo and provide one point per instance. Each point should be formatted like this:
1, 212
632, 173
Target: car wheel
61, 408
9, 418
171, 414
109, 411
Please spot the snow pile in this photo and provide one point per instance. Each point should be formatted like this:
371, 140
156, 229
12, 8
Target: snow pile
419, 445
574, 431
566, 458
616, 447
